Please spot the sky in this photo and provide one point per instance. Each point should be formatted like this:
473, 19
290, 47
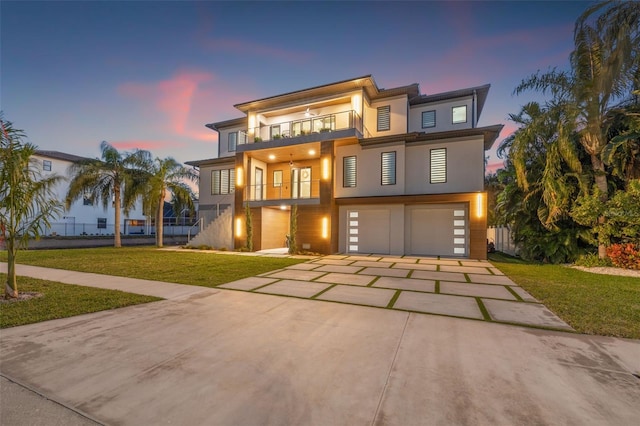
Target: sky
151, 74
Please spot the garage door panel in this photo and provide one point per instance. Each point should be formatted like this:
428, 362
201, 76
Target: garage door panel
369, 231
436, 230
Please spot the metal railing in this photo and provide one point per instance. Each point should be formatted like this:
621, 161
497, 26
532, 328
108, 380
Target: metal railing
199, 224
304, 126
301, 190
172, 226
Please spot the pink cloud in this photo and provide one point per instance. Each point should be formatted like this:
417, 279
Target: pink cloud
494, 166
186, 102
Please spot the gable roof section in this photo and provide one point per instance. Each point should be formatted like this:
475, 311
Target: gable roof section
481, 92
489, 133
61, 156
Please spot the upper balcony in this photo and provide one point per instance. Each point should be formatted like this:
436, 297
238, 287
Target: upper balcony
308, 128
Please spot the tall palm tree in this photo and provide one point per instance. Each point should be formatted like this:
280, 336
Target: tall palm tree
27, 200
115, 177
163, 177
604, 68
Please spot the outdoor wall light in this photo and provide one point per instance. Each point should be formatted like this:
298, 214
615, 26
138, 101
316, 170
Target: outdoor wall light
479, 205
239, 176
325, 169
325, 227
238, 227
312, 152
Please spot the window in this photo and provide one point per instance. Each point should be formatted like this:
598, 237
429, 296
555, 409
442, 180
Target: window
46, 165
275, 132
438, 165
233, 141
389, 168
428, 119
223, 181
384, 118
86, 199
459, 114
349, 172
277, 178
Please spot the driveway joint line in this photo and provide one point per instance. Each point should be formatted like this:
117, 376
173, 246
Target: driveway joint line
393, 363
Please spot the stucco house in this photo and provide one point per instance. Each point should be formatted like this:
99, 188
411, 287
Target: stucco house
371, 170
83, 217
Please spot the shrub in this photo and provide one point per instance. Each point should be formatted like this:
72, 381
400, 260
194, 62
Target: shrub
590, 260
624, 255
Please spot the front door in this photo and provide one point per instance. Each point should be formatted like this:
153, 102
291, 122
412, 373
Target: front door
258, 184
301, 182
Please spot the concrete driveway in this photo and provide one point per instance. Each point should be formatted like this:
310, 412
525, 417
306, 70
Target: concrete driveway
220, 357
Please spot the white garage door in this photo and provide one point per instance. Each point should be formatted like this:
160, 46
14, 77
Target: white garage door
436, 230
368, 231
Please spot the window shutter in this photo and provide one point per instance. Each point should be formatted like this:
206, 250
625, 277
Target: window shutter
349, 172
215, 182
384, 118
224, 181
232, 181
438, 165
428, 119
389, 168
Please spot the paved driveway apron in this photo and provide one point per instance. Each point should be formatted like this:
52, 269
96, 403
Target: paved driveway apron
472, 289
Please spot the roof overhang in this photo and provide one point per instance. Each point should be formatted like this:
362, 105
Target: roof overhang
489, 134
480, 91
212, 161
241, 121
61, 156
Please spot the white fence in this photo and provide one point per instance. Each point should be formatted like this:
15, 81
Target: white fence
73, 229
501, 238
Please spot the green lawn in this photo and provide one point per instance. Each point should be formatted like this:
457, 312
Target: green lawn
61, 300
606, 305
195, 268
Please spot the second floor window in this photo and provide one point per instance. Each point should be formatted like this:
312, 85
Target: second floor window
459, 114
46, 165
349, 172
428, 119
233, 141
223, 181
388, 168
384, 118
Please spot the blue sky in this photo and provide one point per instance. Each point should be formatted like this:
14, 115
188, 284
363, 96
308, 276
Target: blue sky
150, 74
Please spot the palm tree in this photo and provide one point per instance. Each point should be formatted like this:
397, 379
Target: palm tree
27, 201
164, 176
116, 177
604, 68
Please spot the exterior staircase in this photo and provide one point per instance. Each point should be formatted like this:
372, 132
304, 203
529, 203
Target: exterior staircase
217, 234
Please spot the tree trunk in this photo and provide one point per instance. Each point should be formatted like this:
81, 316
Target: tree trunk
159, 221
117, 242
11, 286
601, 183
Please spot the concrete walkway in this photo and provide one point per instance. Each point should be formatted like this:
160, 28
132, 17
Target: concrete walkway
238, 358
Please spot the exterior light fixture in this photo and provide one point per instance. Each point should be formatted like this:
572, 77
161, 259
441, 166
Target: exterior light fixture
238, 227
312, 152
325, 227
272, 157
479, 205
325, 169
238, 176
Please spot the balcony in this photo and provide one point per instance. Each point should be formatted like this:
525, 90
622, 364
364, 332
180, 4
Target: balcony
299, 191
308, 128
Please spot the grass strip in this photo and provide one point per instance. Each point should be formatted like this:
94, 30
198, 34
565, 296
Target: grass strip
393, 299
607, 305
61, 300
483, 309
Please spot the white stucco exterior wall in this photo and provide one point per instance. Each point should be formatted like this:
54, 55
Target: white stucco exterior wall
444, 117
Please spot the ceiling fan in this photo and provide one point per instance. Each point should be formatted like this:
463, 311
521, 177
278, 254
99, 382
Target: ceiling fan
308, 113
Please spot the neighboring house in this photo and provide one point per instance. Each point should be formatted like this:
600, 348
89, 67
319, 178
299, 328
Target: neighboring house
84, 218
384, 171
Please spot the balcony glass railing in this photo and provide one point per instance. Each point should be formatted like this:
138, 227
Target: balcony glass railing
287, 191
303, 126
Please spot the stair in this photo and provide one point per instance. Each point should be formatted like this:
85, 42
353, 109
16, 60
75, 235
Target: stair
217, 234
